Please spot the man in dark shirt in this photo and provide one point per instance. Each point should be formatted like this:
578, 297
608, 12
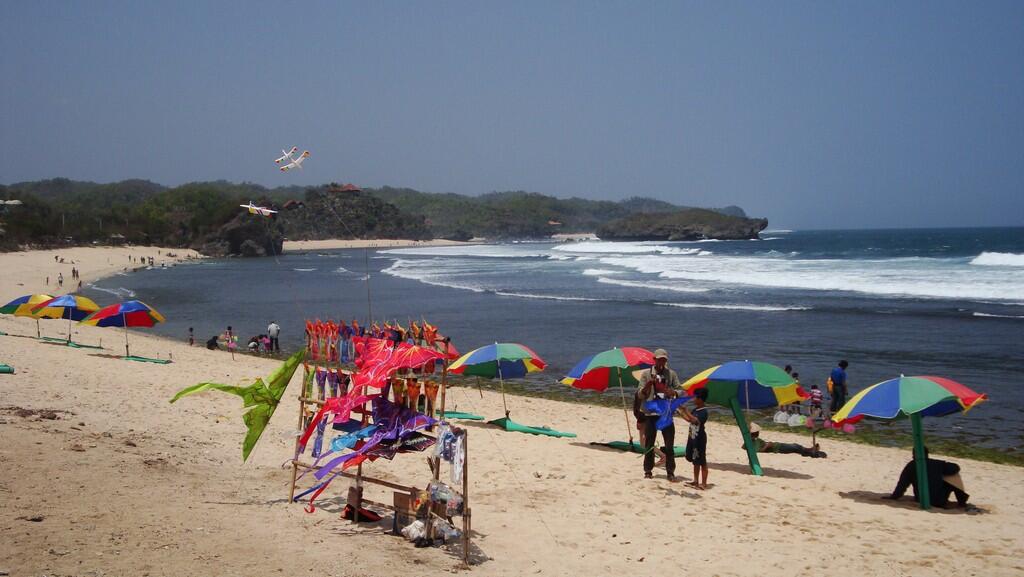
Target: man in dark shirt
658, 382
939, 488
838, 378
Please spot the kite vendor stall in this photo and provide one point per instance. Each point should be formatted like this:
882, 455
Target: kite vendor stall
387, 406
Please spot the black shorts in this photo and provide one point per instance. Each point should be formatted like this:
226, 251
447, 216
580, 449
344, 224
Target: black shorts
641, 421
696, 451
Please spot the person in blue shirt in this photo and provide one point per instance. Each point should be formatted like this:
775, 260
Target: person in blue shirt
838, 378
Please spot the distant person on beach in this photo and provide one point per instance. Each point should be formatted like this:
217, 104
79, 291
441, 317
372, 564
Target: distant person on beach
697, 440
658, 382
943, 481
191, 337
211, 343
762, 446
838, 388
274, 331
60, 279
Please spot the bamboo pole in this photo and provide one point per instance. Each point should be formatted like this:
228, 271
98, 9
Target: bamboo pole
737, 412
920, 463
625, 414
465, 498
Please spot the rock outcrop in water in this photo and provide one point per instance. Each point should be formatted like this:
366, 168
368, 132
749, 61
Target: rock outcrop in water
244, 235
689, 224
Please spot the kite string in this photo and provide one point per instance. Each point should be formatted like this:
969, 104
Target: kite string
522, 486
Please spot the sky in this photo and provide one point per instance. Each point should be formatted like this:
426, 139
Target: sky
811, 114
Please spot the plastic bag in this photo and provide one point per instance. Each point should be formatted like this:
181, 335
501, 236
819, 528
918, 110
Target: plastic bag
414, 530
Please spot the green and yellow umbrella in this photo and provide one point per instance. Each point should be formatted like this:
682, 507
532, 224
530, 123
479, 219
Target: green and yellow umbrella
22, 307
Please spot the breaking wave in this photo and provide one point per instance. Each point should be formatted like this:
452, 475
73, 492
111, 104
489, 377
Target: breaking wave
998, 259
764, 308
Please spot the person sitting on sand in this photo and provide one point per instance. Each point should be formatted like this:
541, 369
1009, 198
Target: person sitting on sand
763, 446
212, 343
943, 480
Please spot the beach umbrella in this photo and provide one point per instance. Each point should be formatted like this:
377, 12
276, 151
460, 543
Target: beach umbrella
501, 361
914, 397
750, 384
22, 307
70, 306
608, 368
124, 314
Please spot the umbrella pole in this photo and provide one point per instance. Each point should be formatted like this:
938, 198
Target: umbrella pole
501, 382
39, 334
737, 411
625, 413
69, 328
125, 322
920, 463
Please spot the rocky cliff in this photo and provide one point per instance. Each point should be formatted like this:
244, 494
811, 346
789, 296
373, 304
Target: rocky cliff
329, 212
689, 224
244, 235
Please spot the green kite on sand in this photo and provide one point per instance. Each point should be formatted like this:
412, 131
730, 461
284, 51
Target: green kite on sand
510, 425
262, 397
6, 369
461, 415
636, 447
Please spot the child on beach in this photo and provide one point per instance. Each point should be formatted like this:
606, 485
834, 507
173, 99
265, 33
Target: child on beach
191, 337
697, 441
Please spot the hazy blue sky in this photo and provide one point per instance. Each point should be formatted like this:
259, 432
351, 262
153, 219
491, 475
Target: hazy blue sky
813, 114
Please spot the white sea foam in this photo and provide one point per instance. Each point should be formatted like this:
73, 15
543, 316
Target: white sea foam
654, 284
999, 259
426, 275
341, 269
600, 271
986, 315
776, 231
546, 297
119, 292
604, 247
912, 277
765, 308
303, 269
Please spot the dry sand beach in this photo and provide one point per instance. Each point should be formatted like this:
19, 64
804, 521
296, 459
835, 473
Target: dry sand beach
100, 475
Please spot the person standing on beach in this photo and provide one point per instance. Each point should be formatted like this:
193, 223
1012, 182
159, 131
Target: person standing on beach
60, 279
273, 331
191, 337
838, 389
658, 382
697, 441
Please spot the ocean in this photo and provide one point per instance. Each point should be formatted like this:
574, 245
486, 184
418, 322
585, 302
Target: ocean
947, 302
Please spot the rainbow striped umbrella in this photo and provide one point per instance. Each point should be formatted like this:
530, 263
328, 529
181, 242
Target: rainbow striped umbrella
608, 368
501, 361
22, 307
750, 384
913, 397
70, 306
611, 367
125, 314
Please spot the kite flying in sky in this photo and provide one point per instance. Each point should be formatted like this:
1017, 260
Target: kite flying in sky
293, 162
260, 210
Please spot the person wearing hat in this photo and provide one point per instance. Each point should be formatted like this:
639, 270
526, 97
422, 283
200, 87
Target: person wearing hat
658, 382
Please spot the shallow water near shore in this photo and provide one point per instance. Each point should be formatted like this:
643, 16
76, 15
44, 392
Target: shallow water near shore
942, 302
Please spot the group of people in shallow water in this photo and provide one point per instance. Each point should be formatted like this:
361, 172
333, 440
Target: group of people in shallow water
662, 383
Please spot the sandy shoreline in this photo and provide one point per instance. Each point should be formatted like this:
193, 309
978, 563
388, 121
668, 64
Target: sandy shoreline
122, 483
336, 243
